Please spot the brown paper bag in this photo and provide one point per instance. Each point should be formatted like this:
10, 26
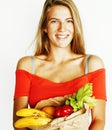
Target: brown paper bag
76, 121
56, 101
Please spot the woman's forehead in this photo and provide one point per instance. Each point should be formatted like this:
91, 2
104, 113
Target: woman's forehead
59, 11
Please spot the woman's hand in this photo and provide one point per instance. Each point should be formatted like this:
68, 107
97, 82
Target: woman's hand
98, 116
19, 103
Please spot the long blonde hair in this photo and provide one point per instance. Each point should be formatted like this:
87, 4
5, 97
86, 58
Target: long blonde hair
41, 38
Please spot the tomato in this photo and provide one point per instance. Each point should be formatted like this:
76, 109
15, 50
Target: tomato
62, 111
66, 110
57, 112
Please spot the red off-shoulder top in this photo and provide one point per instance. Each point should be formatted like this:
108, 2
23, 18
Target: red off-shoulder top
38, 88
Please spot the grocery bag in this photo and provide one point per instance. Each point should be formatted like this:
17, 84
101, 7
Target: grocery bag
76, 121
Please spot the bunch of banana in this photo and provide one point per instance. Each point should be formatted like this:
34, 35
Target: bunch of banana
32, 117
25, 112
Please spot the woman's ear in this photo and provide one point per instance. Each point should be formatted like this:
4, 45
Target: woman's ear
45, 30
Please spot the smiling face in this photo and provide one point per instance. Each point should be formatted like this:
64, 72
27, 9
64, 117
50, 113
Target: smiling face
60, 27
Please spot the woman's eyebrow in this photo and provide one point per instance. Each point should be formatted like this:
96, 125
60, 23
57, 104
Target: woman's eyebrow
59, 19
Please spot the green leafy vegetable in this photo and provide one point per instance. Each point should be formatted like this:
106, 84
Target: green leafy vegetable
83, 95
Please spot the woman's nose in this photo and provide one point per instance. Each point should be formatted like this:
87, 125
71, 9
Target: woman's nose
62, 26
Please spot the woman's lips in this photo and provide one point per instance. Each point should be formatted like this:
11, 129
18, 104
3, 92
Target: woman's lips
61, 36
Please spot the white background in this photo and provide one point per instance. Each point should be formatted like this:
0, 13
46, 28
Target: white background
18, 24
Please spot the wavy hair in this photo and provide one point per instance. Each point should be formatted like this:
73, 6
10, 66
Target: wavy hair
41, 38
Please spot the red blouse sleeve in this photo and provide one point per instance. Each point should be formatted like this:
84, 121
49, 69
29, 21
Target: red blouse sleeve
99, 84
22, 84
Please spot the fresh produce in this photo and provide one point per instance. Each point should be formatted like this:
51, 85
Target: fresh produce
26, 112
76, 101
35, 117
66, 110
32, 117
49, 110
58, 112
32, 121
62, 111
83, 95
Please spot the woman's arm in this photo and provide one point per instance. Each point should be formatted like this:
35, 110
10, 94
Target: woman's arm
98, 112
19, 103
22, 102
98, 116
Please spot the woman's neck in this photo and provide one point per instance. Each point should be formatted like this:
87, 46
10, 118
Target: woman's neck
61, 55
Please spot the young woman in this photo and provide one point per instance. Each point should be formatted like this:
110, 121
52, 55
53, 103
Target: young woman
60, 65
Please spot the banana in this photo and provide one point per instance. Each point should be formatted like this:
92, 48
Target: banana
26, 112
32, 121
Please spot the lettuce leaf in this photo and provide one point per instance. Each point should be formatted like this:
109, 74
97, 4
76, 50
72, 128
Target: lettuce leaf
83, 95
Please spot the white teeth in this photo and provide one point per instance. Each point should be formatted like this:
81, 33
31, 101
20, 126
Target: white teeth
61, 36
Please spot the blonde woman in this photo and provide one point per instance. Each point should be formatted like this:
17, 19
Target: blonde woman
60, 65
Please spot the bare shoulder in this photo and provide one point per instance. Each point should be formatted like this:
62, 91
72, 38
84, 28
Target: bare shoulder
25, 63
95, 63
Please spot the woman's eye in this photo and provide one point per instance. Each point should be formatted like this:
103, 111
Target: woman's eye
53, 21
70, 21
